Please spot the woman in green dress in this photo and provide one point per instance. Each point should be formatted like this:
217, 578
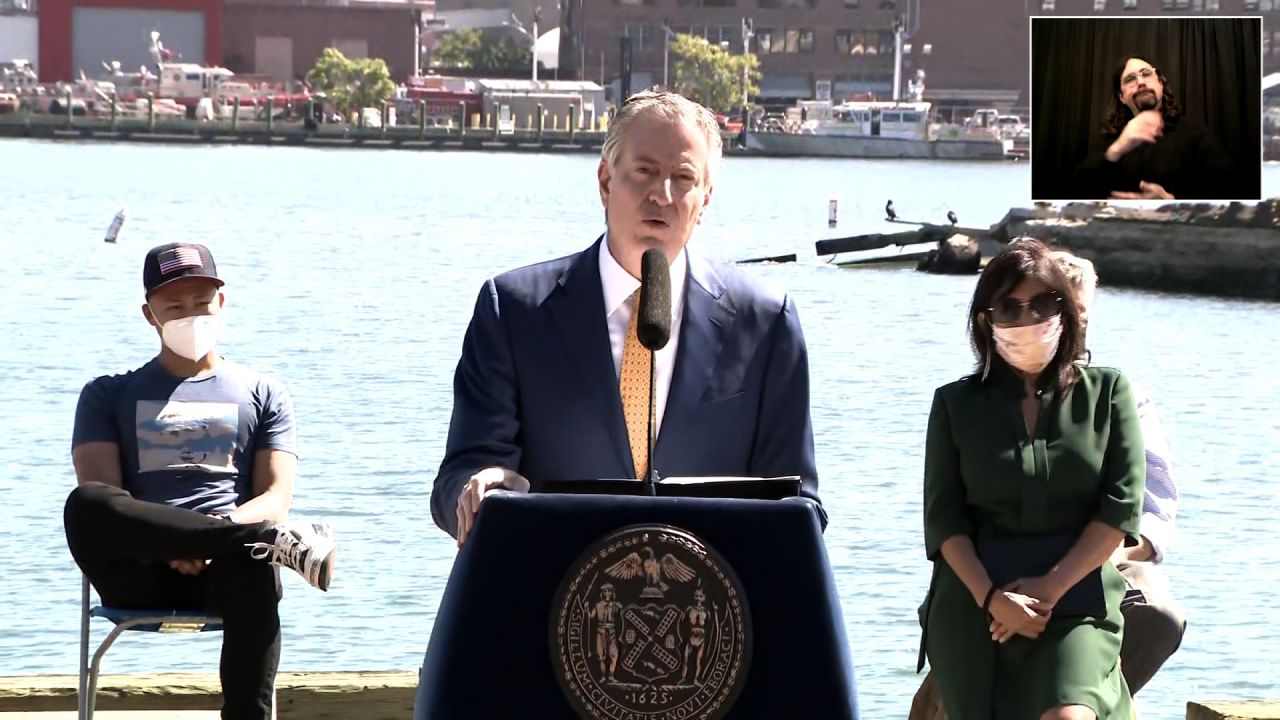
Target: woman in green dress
1028, 451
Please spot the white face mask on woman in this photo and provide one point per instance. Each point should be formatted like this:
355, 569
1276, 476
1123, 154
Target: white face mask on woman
1029, 348
192, 337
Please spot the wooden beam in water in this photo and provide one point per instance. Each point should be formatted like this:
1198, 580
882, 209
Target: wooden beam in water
871, 241
771, 259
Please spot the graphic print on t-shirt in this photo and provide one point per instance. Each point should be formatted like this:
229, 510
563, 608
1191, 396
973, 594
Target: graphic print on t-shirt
177, 435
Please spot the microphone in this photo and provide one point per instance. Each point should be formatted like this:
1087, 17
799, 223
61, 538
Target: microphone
653, 330
653, 327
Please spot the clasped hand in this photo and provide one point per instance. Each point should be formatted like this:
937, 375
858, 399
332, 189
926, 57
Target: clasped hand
1023, 607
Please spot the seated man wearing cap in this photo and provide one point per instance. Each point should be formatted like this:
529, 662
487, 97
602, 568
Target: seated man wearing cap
185, 472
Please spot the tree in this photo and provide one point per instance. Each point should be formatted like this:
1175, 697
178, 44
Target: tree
471, 49
712, 75
456, 49
351, 84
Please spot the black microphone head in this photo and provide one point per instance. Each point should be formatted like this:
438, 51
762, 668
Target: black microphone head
653, 327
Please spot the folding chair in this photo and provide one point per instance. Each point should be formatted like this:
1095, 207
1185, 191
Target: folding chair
165, 621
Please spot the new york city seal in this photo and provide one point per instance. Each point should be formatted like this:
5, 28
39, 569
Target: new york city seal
650, 624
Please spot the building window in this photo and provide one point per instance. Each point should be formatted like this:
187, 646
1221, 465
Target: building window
707, 3
852, 4
1130, 4
793, 40
1251, 5
764, 41
1211, 5
783, 4
806, 41
888, 5
886, 42
843, 46
1046, 5
643, 37
1275, 43
633, 2
1099, 5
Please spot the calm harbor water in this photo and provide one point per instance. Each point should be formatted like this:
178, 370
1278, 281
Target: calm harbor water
352, 275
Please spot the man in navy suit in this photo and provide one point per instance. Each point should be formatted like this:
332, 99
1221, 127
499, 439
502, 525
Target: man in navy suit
550, 369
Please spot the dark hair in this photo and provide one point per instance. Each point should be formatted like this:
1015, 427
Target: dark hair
1025, 258
1118, 114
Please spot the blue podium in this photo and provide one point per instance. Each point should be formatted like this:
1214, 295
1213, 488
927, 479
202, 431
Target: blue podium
605, 606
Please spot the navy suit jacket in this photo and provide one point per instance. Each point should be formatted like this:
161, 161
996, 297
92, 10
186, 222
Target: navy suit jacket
536, 390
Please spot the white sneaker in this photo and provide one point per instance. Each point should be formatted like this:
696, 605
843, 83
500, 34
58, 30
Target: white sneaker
307, 548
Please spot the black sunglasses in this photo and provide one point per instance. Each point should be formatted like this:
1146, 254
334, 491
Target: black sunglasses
1011, 311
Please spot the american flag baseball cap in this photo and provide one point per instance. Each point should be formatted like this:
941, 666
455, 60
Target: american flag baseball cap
175, 261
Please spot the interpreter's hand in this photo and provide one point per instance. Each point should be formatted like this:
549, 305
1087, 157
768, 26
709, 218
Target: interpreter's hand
1016, 614
480, 485
1146, 191
1145, 127
189, 567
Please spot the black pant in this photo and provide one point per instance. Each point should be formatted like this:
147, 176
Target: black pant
1153, 623
123, 545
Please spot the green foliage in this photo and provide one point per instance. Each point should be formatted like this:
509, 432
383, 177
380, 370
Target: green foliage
351, 84
472, 49
712, 75
456, 49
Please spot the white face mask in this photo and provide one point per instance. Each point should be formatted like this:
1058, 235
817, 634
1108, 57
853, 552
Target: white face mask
192, 337
1029, 348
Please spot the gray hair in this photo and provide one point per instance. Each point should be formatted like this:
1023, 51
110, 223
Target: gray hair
1079, 271
669, 106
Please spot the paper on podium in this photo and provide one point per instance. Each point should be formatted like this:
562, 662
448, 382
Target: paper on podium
756, 488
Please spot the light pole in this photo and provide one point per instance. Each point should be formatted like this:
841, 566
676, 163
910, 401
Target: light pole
514, 22
748, 31
897, 58
537, 15
666, 50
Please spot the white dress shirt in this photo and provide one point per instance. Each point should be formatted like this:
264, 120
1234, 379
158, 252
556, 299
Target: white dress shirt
618, 285
1160, 492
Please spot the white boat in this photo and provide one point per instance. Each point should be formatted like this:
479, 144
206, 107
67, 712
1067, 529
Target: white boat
877, 129
188, 85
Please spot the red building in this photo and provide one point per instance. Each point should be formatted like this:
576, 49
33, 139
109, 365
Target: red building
280, 39
80, 35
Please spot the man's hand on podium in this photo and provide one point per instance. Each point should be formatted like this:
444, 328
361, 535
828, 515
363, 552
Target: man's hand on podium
477, 487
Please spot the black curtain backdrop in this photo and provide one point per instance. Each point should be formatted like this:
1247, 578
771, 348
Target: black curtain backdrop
1213, 66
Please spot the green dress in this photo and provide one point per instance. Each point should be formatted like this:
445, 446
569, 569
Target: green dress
983, 473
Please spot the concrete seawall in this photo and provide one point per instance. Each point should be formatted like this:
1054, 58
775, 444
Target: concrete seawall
1225, 251
299, 696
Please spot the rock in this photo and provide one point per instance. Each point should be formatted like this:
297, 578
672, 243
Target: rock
927, 704
1251, 710
956, 255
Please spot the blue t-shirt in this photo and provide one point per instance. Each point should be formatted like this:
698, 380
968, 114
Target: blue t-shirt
187, 442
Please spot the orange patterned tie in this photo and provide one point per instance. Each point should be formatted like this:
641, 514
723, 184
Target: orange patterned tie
633, 382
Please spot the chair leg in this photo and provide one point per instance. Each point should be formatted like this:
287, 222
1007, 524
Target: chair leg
95, 667
82, 701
